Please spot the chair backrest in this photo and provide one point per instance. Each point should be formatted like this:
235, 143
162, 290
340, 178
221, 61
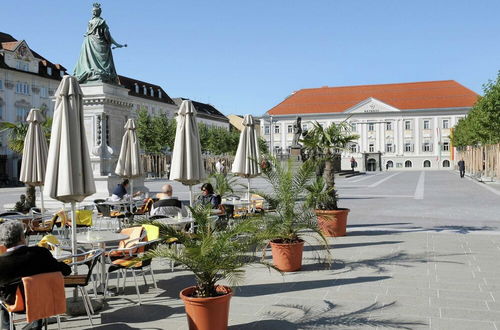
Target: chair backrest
146, 207
48, 241
152, 231
105, 210
89, 258
44, 295
136, 235
3, 249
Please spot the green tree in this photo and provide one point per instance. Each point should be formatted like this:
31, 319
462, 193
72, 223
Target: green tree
482, 124
144, 126
15, 142
324, 144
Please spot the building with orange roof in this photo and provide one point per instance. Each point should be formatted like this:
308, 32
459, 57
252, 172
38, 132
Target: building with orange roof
403, 125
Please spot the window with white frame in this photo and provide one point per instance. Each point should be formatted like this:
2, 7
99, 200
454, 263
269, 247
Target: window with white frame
61, 73
407, 124
371, 126
371, 147
408, 163
151, 91
289, 129
49, 71
44, 92
426, 146
304, 127
23, 65
427, 163
446, 123
446, 146
408, 147
159, 93
276, 129
446, 163
266, 129
427, 124
354, 127
22, 88
21, 113
144, 90
353, 148
389, 147
136, 88
388, 126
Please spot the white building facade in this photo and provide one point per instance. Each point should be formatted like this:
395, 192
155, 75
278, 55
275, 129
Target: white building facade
390, 137
27, 80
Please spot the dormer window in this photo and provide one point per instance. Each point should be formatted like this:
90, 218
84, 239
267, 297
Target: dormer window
136, 88
151, 91
145, 90
159, 93
49, 71
61, 73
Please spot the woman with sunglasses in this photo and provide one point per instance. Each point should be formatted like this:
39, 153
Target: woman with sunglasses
208, 196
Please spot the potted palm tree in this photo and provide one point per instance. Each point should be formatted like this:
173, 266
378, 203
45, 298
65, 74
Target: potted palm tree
291, 220
212, 256
326, 144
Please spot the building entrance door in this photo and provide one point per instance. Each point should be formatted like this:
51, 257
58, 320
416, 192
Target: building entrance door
371, 165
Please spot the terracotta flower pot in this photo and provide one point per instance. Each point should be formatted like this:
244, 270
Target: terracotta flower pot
332, 222
207, 313
287, 257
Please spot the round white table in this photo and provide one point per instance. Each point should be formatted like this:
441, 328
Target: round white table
101, 238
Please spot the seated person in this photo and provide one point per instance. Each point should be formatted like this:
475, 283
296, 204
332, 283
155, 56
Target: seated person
208, 196
20, 261
120, 192
166, 205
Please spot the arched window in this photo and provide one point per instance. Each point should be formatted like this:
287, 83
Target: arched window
408, 163
446, 163
389, 164
427, 163
136, 88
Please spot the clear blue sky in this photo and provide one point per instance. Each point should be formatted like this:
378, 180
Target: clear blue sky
247, 56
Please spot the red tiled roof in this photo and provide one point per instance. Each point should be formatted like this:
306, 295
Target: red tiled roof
404, 96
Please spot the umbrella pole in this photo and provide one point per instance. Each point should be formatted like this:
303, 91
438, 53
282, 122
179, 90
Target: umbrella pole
73, 234
248, 195
41, 199
131, 193
190, 195
73, 244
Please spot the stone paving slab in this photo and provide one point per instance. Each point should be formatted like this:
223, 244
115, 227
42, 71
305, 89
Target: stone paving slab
404, 283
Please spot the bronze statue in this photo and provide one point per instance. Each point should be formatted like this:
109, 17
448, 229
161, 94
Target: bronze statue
96, 60
297, 131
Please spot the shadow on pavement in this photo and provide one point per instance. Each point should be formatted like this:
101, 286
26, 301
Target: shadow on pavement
349, 245
305, 317
140, 314
274, 288
120, 326
462, 229
401, 259
173, 286
379, 224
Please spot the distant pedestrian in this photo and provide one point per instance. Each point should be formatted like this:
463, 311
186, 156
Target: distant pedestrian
387, 166
353, 163
218, 166
461, 167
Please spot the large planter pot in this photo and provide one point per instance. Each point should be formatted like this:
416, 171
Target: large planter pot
332, 222
207, 313
287, 257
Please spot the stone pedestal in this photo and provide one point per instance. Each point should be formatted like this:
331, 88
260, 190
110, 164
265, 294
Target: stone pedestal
106, 109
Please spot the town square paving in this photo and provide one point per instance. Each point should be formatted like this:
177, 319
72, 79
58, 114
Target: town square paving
422, 252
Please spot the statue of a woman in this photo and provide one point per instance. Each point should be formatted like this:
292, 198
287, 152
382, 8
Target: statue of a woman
96, 60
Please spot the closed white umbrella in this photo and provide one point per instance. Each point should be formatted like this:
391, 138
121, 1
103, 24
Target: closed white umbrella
187, 163
34, 162
69, 177
247, 159
129, 162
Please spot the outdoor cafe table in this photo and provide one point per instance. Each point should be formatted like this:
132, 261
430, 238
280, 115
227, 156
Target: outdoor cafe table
60, 255
101, 238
